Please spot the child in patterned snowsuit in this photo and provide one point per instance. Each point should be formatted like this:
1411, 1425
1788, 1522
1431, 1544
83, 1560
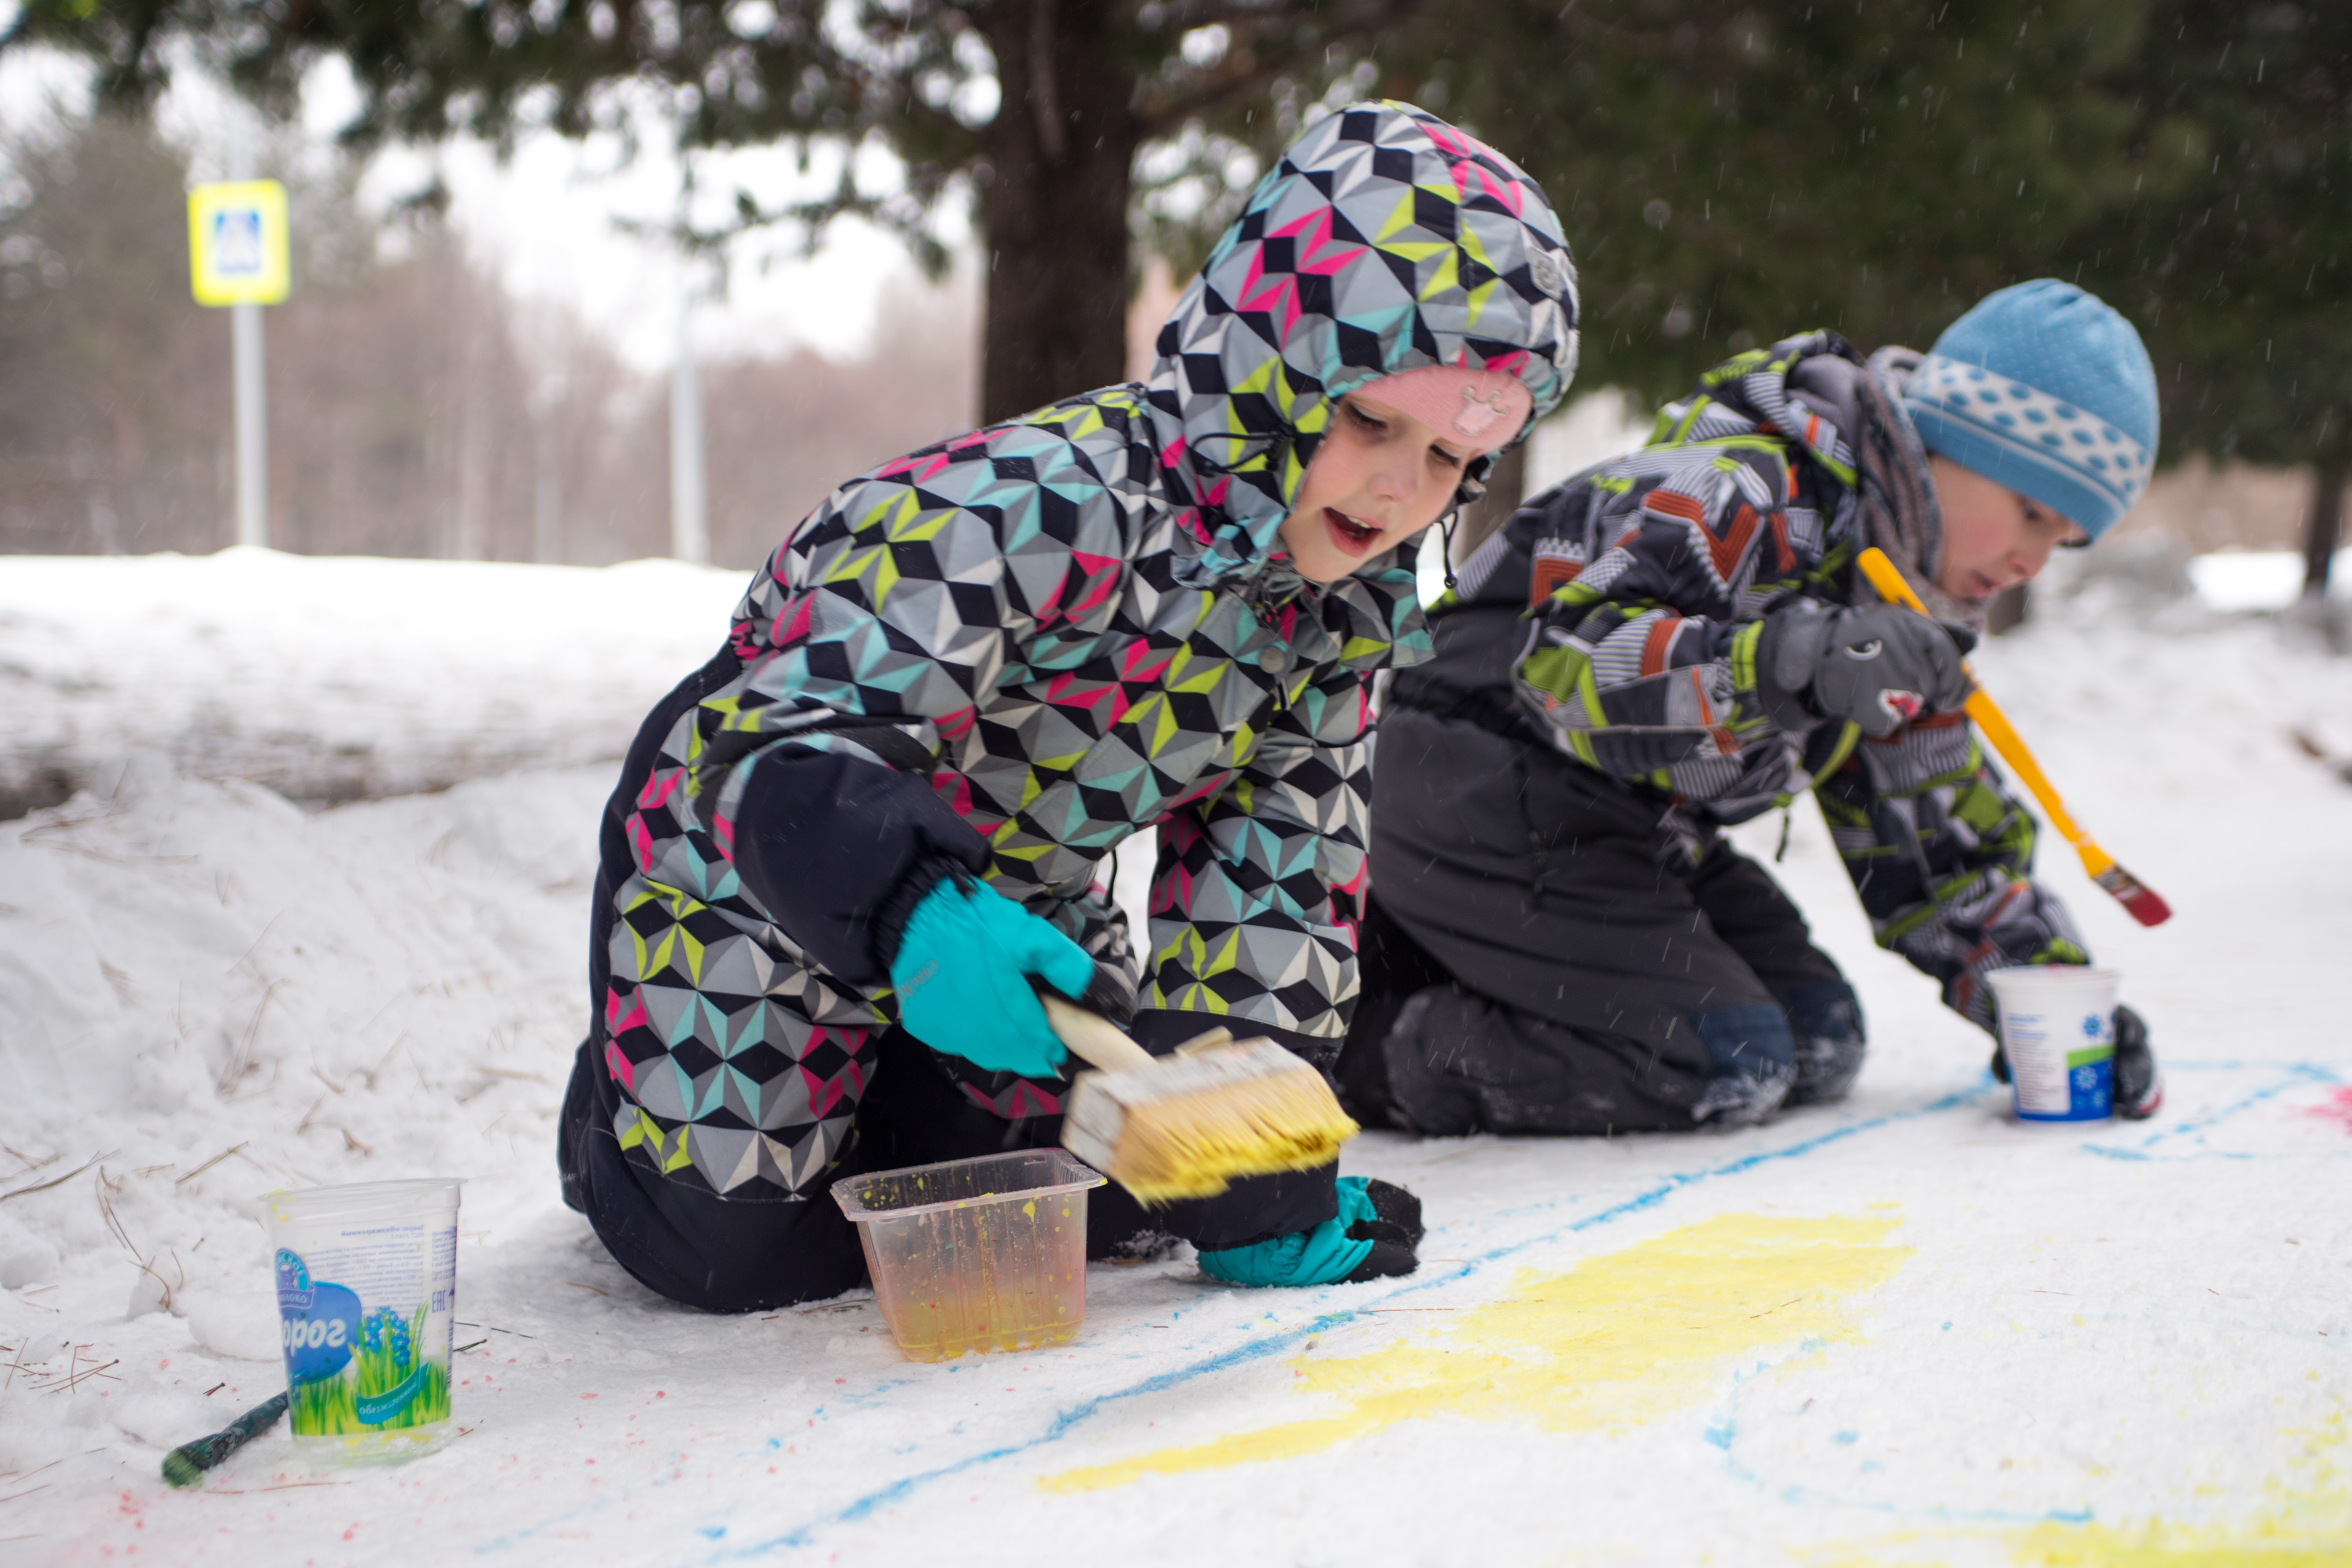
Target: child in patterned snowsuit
1558, 939
839, 852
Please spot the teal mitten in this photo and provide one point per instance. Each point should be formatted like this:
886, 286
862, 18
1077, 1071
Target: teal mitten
962, 978
1320, 1257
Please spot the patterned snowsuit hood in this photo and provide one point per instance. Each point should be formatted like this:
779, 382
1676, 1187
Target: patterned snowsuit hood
1384, 240
1008, 652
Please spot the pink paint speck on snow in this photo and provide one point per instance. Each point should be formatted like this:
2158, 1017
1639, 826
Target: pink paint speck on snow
2337, 1109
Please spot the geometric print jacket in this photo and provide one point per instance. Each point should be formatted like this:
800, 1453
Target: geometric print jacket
1011, 651
1645, 582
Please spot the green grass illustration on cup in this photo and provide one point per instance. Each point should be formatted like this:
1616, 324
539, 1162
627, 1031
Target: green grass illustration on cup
350, 1375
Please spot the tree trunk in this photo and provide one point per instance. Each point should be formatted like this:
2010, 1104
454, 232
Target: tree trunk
2326, 525
1507, 486
1053, 204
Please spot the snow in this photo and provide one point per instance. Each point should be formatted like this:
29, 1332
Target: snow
1906, 1329
334, 678
2261, 579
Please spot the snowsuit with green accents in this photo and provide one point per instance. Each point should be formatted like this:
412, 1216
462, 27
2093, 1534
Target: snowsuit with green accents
1559, 939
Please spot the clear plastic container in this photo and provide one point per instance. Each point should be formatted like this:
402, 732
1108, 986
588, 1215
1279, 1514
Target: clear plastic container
367, 1288
976, 1255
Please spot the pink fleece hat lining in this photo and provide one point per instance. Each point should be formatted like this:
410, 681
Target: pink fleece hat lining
1480, 409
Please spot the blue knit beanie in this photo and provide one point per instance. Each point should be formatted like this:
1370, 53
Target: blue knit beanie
2045, 389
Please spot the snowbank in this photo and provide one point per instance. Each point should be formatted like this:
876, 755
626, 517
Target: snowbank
337, 678
1902, 1329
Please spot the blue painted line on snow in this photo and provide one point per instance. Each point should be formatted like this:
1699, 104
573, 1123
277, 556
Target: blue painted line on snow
1258, 1350
1722, 1436
2298, 1075
1724, 1431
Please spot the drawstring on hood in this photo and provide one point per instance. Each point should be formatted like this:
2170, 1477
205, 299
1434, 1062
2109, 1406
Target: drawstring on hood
1384, 241
1900, 514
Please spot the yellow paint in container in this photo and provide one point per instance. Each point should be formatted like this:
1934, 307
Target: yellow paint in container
976, 1255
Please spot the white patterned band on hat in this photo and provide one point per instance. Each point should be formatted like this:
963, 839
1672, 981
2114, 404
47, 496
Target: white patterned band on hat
2033, 424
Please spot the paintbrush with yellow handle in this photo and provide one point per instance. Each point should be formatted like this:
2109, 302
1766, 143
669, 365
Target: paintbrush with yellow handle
2135, 895
1184, 1126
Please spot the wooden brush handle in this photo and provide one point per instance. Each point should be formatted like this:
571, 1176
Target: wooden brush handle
1990, 722
1092, 1037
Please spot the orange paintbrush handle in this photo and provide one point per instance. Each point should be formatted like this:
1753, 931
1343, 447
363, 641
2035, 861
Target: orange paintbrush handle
2135, 895
1990, 722
1994, 726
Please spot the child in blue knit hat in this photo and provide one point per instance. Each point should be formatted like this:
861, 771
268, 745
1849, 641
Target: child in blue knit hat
2037, 410
1558, 939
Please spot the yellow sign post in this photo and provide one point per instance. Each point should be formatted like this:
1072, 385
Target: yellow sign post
237, 242
237, 257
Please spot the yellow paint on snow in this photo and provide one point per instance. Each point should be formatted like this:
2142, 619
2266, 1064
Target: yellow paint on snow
1617, 1340
2304, 1521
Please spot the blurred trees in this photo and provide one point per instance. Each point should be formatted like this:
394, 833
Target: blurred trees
1039, 106
2234, 251
396, 392
416, 408
95, 326
1729, 171
781, 431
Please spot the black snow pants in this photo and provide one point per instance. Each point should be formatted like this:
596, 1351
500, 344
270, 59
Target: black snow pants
1532, 962
743, 1255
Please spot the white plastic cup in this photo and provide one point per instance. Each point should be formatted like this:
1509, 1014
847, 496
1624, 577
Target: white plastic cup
2058, 1030
367, 1288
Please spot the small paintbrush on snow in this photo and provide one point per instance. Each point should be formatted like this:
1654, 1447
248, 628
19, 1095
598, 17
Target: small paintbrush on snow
185, 1464
1184, 1126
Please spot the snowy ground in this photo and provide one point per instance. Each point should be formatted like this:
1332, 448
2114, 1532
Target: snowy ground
1906, 1329
335, 680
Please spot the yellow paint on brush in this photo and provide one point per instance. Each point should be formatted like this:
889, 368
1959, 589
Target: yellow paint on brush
1194, 1145
1616, 1341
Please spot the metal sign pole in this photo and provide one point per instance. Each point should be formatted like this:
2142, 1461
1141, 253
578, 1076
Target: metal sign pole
690, 528
252, 429
689, 522
238, 257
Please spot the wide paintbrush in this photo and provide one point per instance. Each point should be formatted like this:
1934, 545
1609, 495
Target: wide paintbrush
1183, 1126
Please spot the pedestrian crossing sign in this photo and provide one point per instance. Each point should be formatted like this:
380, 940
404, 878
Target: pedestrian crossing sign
236, 242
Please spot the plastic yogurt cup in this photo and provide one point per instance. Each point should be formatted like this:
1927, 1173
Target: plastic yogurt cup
367, 1286
2058, 1030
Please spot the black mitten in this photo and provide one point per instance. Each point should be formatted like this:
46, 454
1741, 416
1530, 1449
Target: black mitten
1878, 665
1394, 1230
2139, 1087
